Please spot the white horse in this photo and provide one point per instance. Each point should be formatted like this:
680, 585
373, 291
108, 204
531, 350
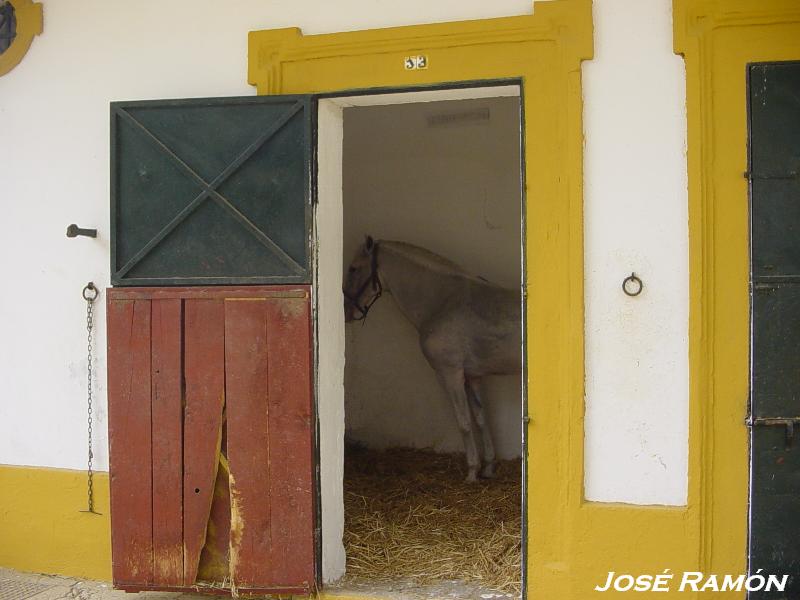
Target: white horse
467, 326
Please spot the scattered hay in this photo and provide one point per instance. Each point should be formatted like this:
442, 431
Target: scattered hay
410, 515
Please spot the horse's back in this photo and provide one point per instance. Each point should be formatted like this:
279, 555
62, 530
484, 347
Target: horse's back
478, 329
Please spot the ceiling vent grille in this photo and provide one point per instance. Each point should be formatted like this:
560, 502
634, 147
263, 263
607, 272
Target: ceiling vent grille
465, 117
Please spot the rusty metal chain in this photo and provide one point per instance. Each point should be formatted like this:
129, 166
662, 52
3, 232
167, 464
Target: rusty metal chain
90, 293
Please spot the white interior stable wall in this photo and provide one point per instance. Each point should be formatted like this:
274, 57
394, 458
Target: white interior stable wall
328, 223
453, 188
636, 220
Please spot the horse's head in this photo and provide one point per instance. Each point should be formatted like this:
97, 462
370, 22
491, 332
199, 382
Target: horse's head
362, 286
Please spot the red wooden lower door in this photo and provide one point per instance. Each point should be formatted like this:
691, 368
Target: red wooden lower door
211, 438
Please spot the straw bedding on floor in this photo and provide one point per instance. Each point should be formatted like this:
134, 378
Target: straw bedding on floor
410, 515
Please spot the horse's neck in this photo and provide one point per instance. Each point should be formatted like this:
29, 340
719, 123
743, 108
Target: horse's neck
419, 292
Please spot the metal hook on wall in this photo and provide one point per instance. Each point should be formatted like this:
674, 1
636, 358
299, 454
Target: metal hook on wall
632, 285
74, 231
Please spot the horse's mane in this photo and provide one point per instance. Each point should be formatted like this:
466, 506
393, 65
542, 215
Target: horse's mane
426, 258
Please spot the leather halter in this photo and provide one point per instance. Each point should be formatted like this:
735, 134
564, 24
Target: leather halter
375, 281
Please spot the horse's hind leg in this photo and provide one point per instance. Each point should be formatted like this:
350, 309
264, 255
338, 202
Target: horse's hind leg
476, 405
453, 382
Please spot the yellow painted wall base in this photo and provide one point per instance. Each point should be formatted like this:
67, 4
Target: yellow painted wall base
41, 526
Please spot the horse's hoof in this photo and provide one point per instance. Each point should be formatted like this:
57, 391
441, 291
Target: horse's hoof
472, 476
488, 471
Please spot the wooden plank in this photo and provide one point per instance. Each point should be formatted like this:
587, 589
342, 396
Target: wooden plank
246, 369
204, 360
215, 558
210, 293
291, 445
167, 402
129, 424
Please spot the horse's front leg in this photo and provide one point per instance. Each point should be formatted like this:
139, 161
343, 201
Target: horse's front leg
479, 412
453, 382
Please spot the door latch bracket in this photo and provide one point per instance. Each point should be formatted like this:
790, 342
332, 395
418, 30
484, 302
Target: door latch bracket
787, 422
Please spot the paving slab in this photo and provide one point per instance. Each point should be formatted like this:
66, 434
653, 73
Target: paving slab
16, 585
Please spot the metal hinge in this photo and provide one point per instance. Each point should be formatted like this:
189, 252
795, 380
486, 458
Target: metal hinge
787, 422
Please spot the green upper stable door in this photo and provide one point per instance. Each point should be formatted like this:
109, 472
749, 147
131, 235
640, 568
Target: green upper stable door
211, 191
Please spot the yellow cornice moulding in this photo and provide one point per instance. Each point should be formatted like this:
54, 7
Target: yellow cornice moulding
568, 23
30, 23
695, 19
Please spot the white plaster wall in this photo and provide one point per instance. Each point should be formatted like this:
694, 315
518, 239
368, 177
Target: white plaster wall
454, 189
54, 171
636, 220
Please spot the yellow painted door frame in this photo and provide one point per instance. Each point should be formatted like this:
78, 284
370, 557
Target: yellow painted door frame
572, 544
718, 39
544, 51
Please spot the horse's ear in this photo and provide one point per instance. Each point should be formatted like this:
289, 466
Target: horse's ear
369, 244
